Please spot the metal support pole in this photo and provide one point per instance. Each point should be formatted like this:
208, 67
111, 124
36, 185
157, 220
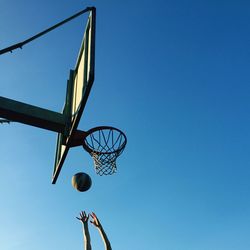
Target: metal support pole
21, 44
32, 115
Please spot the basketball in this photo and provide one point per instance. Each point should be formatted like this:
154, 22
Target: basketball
81, 182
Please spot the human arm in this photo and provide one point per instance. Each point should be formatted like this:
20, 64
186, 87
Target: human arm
84, 220
95, 221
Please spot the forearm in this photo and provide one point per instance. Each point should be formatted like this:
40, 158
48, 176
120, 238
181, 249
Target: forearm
105, 238
86, 236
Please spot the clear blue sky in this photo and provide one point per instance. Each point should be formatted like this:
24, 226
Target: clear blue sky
173, 75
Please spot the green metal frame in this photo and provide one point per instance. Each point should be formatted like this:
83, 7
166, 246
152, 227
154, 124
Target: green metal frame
66, 141
62, 123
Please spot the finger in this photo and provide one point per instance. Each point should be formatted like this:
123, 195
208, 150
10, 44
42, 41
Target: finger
78, 218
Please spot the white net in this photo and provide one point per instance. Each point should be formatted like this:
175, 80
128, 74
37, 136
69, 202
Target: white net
105, 144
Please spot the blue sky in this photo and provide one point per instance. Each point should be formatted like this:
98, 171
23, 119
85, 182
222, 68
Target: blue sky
174, 76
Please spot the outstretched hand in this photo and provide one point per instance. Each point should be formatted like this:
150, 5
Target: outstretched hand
83, 217
95, 220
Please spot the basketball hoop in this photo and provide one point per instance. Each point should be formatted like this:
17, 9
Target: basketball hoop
104, 144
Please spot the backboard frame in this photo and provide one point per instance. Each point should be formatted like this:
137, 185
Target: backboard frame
72, 112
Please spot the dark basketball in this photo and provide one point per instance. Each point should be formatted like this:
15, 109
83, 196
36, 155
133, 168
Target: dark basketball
81, 182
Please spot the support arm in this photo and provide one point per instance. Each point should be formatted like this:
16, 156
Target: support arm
32, 115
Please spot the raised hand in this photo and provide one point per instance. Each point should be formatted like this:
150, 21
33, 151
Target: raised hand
95, 220
83, 217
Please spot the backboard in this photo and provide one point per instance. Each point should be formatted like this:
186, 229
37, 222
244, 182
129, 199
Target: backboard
78, 88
